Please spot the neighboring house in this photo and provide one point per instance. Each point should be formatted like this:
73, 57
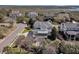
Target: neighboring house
32, 14
71, 29
42, 28
62, 16
14, 14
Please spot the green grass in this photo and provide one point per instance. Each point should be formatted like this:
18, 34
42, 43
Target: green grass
16, 50
27, 30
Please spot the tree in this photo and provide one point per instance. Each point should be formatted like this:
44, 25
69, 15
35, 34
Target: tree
53, 34
7, 49
1, 18
11, 50
1, 35
19, 20
22, 19
3, 31
31, 22
20, 38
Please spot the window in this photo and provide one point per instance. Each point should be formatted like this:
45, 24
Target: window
37, 28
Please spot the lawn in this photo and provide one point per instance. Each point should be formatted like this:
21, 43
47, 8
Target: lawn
26, 30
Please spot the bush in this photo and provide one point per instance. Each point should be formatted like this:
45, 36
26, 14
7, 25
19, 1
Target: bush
22, 19
11, 50
69, 48
52, 47
19, 40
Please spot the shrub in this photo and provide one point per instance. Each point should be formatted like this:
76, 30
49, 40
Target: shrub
52, 47
11, 50
69, 48
19, 39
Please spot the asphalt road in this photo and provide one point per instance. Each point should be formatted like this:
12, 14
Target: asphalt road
11, 37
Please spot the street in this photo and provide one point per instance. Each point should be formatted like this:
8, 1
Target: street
11, 37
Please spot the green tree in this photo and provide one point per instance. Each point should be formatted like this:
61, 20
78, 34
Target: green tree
53, 34
22, 19
31, 22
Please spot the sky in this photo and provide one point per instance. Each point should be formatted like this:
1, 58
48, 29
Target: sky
39, 2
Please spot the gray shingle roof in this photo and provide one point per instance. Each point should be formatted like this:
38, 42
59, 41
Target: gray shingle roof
42, 27
32, 14
70, 28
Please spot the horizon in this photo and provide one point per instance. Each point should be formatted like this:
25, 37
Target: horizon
42, 6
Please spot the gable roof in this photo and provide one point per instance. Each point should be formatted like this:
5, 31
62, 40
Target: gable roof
42, 24
70, 28
32, 14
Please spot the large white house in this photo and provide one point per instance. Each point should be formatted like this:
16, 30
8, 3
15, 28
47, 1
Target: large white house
42, 28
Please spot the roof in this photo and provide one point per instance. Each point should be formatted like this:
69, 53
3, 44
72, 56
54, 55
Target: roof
70, 28
42, 25
42, 28
32, 14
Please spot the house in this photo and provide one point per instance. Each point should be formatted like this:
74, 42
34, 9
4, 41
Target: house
42, 28
70, 29
62, 16
32, 14
14, 14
